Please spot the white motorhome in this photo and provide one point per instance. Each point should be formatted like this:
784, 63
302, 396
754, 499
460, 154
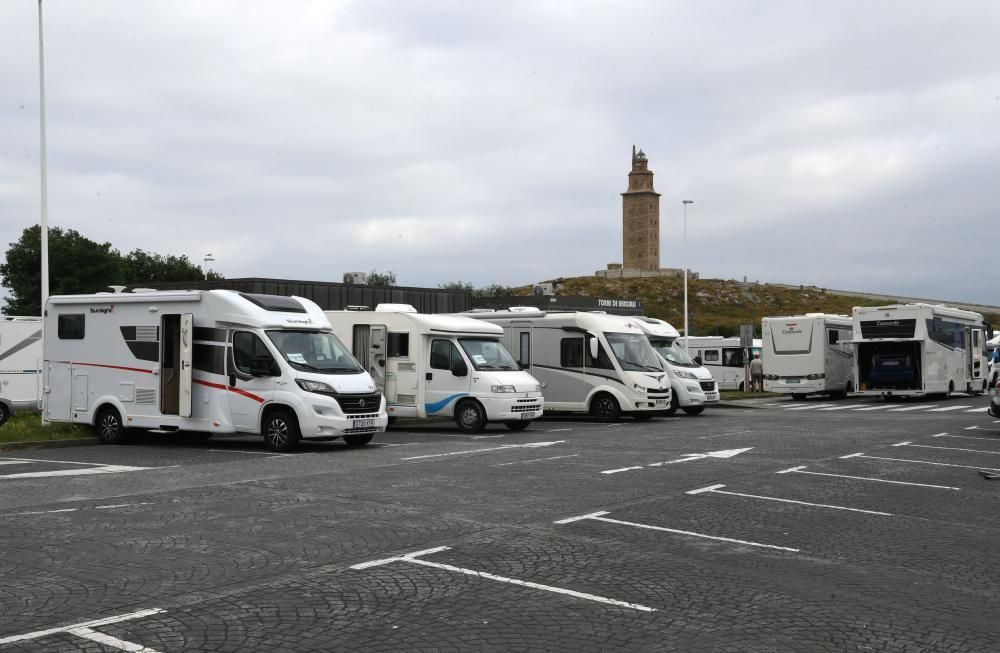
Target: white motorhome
440, 365
723, 357
213, 362
692, 386
918, 349
20, 364
569, 353
808, 354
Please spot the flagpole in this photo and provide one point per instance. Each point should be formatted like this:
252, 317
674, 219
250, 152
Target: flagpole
45, 197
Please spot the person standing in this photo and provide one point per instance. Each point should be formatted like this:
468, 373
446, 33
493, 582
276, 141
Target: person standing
757, 374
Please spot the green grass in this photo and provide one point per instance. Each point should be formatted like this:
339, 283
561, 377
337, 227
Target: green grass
27, 427
736, 394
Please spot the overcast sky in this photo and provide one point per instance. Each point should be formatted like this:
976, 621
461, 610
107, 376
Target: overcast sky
850, 145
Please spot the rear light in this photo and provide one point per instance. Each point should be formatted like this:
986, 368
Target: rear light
813, 377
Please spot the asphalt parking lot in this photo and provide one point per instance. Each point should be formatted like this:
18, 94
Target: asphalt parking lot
817, 525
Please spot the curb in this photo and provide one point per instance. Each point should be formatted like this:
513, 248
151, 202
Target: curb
733, 404
47, 444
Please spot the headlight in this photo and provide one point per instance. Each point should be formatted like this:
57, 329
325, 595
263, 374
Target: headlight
502, 388
638, 388
538, 388
685, 375
313, 386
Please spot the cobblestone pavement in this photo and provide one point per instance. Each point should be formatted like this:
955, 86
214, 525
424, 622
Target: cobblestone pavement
835, 530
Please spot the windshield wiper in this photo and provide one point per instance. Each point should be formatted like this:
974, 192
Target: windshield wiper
306, 365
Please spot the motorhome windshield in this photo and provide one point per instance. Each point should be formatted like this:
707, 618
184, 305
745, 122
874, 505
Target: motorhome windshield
314, 351
488, 354
673, 352
634, 352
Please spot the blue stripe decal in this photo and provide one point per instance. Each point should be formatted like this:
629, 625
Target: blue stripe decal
439, 405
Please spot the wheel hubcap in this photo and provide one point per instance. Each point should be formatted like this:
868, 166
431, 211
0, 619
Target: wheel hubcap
469, 417
278, 432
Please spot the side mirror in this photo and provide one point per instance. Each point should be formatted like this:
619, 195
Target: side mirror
594, 348
459, 368
261, 366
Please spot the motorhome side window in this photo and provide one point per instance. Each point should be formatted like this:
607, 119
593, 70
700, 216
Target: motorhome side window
731, 357
524, 356
443, 352
71, 327
572, 353
833, 336
949, 334
710, 356
246, 347
399, 345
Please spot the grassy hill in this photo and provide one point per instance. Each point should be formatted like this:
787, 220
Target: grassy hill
716, 306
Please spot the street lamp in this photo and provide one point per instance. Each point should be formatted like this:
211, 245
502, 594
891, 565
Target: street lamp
204, 266
685, 203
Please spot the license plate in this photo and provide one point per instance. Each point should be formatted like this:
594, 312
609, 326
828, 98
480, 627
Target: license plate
525, 416
661, 403
793, 380
362, 423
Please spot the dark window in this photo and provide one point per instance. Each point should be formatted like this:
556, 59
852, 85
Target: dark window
833, 336
602, 362
711, 356
399, 345
524, 356
571, 352
732, 357
246, 347
443, 354
71, 327
949, 334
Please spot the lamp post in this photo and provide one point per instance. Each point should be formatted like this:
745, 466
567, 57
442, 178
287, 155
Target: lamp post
685, 203
204, 266
42, 158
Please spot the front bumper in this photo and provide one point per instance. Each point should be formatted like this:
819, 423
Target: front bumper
322, 417
803, 387
518, 407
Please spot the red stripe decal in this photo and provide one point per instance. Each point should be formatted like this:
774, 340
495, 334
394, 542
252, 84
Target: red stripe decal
219, 386
114, 367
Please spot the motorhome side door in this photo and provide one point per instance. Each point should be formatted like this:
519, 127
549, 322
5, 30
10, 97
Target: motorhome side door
375, 361
520, 343
976, 354
187, 356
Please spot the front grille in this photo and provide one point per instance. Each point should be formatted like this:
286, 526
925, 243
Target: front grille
526, 408
352, 404
367, 429
708, 386
658, 395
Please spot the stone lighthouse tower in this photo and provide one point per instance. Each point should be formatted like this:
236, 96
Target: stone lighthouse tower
640, 218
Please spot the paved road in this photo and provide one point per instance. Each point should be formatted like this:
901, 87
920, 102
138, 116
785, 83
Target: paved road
811, 525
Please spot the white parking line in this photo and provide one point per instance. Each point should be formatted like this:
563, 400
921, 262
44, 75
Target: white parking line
947, 408
844, 407
413, 558
87, 625
927, 446
57, 462
535, 460
46, 512
976, 410
714, 489
108, 640
106, 469
918, 462
878, 407
720, 435
965, 437
970, 428
599, 516
809, 407
555, 430
799, 470
529, 445
921, 407
256, 453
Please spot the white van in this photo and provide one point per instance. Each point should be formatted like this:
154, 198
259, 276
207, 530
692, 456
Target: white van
808, 354
440, 365
692, 386
569, 353
20, 364
213, 362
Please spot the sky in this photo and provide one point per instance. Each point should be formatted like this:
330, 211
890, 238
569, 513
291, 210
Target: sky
844, 144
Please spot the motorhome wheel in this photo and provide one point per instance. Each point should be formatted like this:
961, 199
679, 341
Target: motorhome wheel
109, 426
604, 408
470, 418
358, 439
674, 405
281, 431
518, 425
694, 410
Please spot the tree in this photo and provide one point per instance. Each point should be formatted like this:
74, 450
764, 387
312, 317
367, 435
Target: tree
148, 268
76, 265
495, 290
381, 278
460, 286
80, 265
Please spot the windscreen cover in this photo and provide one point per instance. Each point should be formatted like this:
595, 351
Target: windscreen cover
791, 336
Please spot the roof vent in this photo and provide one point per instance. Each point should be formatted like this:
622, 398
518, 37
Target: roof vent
117, 289
395, 308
